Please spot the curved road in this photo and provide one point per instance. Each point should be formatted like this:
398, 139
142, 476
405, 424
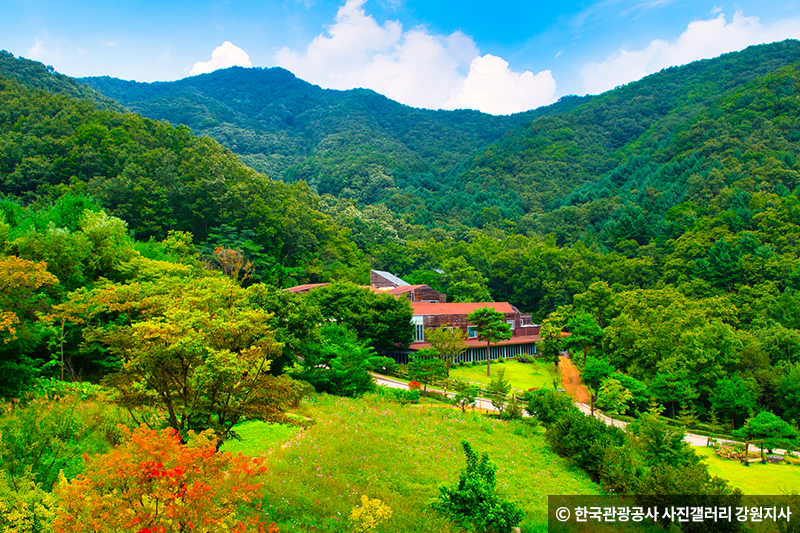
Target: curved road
482, 403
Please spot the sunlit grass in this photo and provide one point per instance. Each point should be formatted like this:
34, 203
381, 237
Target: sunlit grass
756, 479
521, 376
400, 455
259, 437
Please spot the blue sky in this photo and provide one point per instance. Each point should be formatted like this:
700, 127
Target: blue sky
499, 57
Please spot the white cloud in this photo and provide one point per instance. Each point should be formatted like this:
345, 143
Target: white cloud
225, 55
37, 51
493, 88
702, 39
414, 67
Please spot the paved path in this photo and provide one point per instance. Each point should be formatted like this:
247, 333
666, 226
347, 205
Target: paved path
486, 405
480, 403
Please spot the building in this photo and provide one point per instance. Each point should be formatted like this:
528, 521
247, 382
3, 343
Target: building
431, 311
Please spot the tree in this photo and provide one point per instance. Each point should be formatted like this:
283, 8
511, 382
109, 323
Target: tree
595, 371
671, 388
465, 395
731, 396
552, 342
21, 297
425, 367
154, 483
195, 347
338, 363
613, 397
775, 432
596, 300
498, 389
491, 328
464, 282
449, 343
380, 319
473, 501
585, 334
294, 319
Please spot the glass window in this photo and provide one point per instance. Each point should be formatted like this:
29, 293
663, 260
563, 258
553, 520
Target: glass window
472, 332
419, 328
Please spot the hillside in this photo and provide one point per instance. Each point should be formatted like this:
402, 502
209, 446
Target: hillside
351, 451
38, 76
353, 143
445, 168
546, 160
158, 179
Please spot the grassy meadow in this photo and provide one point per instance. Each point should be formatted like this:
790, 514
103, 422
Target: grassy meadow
521, 376
756, 479
399, 455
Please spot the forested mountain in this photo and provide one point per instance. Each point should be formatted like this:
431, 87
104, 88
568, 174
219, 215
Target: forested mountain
663, 214
347, 143
630, 139
37, 76
157, 178
448, 168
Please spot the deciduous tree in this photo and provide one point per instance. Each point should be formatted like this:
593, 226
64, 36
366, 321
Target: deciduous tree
775, 432
491, 328
153, 482
449, 343
195, 347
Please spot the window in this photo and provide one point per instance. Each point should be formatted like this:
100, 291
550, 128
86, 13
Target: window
419, 328
472, 332
510, 324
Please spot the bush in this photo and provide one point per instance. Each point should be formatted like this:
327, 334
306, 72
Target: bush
25, 507
400, 395
473, 502
584, 440
51, 432
548, 406
155, 480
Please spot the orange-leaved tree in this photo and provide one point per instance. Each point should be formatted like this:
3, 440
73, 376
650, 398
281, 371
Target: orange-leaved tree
154, 484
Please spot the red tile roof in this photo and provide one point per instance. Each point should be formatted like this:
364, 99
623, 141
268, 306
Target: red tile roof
307, 287
425, 308
404, 288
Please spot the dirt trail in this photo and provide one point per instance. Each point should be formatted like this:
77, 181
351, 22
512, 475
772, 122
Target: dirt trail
571, 380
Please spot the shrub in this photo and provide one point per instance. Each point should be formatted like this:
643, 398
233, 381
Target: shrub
152, 482
584, 440
548, 406
371, 513
50, 433
25, 507
414, 385
473, 500
402, 396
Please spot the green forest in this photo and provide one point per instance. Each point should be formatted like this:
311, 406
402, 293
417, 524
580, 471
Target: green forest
147, 232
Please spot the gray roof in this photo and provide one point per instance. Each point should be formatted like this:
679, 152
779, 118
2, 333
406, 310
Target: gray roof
390, 277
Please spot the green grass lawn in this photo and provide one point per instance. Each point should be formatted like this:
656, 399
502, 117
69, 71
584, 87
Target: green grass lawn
400, 455
257, 438
756, 479
522, 376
